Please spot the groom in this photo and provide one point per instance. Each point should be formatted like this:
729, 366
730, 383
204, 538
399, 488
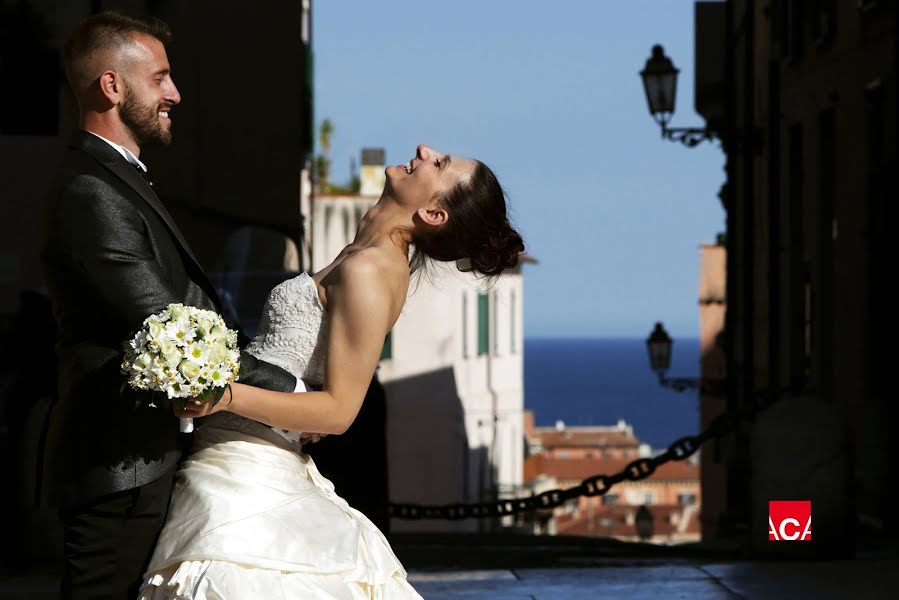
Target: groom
111, 256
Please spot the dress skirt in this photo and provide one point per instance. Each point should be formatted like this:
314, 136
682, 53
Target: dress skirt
249, 519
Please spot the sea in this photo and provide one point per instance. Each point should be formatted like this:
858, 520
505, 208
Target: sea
603, 380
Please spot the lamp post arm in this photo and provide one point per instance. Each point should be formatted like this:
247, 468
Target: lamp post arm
706, 385
689, 136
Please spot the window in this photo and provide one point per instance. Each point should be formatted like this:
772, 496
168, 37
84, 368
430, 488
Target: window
649, 498
827, 232
387, 350
610, 499
824, 21
797, 256
794, 29
808, 323
483, 324
686, 499
880, 235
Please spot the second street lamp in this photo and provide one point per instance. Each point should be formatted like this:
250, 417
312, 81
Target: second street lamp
659, 346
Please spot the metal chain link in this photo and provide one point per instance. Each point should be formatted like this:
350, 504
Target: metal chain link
596, 485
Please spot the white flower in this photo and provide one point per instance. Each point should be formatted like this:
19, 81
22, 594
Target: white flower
189, 369
198, 352
179, 312
141, 363
204, 326
139, 342
218, 378
153, 330
218, 352
170, 354
216, 333
182, 331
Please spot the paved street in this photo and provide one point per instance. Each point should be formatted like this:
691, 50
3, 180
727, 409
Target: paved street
761, 581
634, 580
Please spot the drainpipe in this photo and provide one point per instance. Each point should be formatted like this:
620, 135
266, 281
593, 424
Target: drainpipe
492, 318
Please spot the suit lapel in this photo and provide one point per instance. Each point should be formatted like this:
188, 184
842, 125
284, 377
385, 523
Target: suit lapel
124, 170
129, 175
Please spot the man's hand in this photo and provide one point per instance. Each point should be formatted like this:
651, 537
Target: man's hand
311, 438
205, 408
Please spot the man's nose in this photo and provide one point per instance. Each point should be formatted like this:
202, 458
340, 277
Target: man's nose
173, 96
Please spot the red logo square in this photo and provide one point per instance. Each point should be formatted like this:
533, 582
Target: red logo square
790, 520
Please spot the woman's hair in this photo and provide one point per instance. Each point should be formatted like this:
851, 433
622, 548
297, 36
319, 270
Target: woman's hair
477, 232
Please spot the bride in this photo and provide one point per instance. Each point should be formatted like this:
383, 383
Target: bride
250, 515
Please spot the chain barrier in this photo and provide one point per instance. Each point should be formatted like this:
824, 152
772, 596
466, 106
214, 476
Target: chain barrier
596, 485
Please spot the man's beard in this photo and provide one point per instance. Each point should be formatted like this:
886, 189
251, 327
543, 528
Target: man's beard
143, 122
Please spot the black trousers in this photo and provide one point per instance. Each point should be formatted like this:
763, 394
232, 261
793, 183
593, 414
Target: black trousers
109, 542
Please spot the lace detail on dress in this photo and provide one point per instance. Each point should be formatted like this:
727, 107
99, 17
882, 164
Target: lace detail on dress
293, 330
292, 335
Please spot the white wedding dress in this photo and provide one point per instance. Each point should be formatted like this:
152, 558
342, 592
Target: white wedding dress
250, 515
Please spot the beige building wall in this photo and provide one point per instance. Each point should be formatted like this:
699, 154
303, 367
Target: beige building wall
712, 308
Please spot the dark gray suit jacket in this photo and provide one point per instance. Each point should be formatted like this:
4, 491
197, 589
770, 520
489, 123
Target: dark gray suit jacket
111, 256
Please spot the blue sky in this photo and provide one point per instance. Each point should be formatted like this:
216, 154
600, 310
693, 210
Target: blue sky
547, 94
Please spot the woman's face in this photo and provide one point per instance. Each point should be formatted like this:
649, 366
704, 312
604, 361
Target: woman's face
427, 176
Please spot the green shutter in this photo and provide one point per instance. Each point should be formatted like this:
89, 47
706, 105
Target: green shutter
483, 324
387, 350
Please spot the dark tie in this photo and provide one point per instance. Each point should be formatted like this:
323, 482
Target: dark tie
143, 174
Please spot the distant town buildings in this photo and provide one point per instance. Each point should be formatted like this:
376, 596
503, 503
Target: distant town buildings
563, 456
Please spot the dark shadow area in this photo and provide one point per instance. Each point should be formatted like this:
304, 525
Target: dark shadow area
431, 459
31, 529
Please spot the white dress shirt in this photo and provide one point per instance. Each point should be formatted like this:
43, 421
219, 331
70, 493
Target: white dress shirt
128, 154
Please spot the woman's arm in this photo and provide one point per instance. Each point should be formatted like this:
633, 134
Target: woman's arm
360, 313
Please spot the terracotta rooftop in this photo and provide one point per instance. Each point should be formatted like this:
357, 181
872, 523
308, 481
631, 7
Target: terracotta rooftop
565, 469
586, 438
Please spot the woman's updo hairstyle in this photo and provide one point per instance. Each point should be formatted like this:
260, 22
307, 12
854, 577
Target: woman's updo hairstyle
477, 233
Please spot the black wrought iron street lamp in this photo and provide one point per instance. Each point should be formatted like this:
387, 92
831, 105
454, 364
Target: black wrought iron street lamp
659, 345
660, 84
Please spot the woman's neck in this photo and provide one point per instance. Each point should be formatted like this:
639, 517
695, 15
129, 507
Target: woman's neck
385, 222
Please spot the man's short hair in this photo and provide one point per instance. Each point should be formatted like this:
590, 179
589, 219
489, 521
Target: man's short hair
108, 30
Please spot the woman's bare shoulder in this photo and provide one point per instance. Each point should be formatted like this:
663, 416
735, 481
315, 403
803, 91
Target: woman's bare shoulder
373, 263
374, 272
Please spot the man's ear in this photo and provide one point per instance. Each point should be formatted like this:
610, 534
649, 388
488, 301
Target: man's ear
112, 86
434, 216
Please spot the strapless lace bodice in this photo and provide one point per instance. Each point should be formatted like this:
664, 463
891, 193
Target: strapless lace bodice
293, 329
292, 334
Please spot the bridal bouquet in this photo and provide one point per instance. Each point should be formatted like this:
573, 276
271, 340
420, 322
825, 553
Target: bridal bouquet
186, 352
